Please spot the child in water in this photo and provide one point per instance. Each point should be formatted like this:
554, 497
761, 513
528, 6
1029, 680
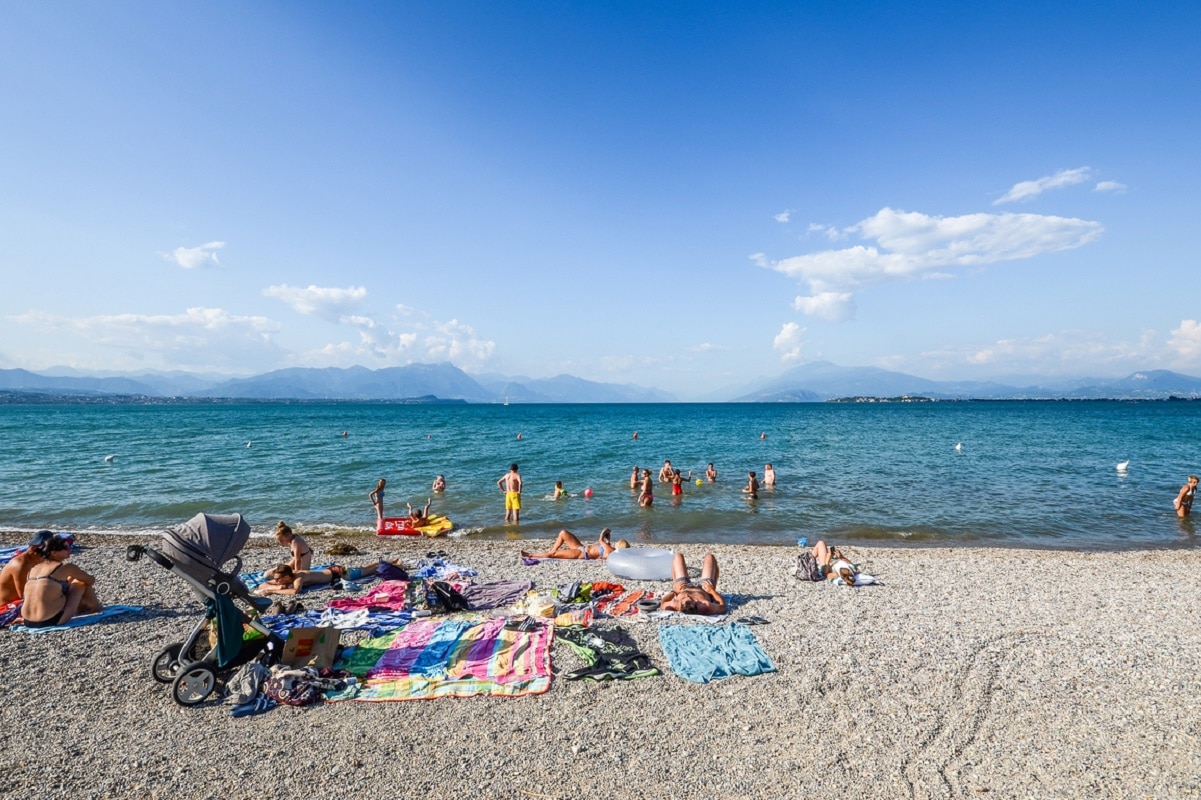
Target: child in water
560, 491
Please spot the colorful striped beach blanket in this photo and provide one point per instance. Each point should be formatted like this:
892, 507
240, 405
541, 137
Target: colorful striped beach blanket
701, 653
459, 657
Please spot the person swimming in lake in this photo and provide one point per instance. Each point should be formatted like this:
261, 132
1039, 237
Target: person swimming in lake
635, 480
1184, 500
567, 545
751, 489
377, 498
666, 472
711, 473
55, 591
646, 497
694, 598
560, 492
769, 477
677, 483
439, 484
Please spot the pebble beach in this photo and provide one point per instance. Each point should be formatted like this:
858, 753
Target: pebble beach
968, 673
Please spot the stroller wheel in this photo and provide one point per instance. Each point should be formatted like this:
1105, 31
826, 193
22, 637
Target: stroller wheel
166, 664
194, 683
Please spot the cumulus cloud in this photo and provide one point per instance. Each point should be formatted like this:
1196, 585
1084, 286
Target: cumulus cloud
1027, 190
790, 342
830, 306
457, 343
1186, 340
1110, 186
327, 302
783, 216
195, 257
201, 339
908, 245
829, 231
1059, 352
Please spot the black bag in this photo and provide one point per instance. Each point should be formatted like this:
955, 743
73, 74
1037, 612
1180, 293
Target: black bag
447, 597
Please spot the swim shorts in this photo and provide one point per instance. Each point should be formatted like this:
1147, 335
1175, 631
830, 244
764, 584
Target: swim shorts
512, 501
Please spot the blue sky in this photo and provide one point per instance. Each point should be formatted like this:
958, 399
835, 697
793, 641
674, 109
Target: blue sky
680, 195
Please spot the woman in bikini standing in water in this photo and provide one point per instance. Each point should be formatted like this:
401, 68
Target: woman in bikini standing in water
377, 498
57, 591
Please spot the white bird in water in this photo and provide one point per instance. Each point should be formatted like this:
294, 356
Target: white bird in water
109, 459
249, 443
1122, 466
959, 447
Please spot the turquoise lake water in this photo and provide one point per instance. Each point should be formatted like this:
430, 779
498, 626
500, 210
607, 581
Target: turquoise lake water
1028, 473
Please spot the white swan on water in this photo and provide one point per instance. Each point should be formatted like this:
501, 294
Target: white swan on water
109, 459
1122, 465
959, 447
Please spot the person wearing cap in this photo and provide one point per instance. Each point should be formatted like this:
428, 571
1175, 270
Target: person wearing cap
56, 591
16, 571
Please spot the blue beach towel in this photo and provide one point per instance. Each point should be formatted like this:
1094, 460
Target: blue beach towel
702, 653
79, 622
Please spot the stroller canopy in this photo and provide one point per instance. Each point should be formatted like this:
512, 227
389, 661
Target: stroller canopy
212, 538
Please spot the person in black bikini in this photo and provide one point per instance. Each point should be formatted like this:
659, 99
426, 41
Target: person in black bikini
57, 591
302, 554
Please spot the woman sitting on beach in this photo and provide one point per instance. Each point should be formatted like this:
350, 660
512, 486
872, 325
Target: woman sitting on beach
302, 554
284, 580
57, 591
16, 571
568, 546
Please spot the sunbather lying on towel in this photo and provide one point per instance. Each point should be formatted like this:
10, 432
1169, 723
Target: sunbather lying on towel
689, 598
833, 564
57, 591
568, 545
285, 580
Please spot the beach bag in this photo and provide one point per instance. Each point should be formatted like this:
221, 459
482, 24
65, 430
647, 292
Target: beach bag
442, 595
807, 569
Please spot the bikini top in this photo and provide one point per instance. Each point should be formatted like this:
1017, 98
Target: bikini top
66, 585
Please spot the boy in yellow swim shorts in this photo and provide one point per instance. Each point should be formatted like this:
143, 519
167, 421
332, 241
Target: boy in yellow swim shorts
510, 484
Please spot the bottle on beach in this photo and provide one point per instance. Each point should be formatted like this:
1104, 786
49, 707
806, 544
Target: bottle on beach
802, 542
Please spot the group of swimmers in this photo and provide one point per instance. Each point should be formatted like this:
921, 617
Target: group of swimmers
641, 480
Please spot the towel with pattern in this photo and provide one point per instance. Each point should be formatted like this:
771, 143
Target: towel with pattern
461, 658
80, 621
702, 653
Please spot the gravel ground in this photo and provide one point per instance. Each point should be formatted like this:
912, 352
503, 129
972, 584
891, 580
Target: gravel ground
971, 673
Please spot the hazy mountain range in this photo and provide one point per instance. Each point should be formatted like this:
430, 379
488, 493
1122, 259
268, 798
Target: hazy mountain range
814, 382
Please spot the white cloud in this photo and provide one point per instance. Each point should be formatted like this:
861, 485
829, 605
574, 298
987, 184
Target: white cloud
789, 341
909, 245
1110, 186
829, 231
783, 216
324, 301
1067, 352
459, 344
830, 306
1186, 340
1026, 190
195, 257
200, 339
707, 347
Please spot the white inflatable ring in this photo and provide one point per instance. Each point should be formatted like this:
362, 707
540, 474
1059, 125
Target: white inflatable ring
641, 563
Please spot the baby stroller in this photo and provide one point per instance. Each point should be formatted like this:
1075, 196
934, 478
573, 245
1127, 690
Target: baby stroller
197, 551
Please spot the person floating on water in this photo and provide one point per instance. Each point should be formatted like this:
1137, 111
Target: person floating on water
510, 484
567, 545
1184, 500
377, 498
